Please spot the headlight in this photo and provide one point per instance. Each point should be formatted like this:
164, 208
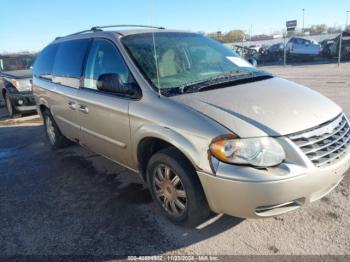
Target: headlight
15, 83
260, 152
22, 85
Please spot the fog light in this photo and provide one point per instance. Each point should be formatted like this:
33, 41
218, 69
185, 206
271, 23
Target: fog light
20, 102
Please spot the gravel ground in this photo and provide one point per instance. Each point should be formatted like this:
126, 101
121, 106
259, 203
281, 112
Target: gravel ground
73, 202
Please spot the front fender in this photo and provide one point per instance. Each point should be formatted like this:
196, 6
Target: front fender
170, 136
10, 89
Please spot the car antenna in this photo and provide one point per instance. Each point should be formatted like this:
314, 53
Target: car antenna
156, 62
155, 51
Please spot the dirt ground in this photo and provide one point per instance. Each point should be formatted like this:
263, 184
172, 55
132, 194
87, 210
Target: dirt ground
74, 202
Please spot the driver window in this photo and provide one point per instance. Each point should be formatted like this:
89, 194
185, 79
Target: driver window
104, 58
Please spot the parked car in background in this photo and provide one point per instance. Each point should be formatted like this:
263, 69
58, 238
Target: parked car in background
302, 48
247, 53
276, 48
264, 48
255, 47
15, 83
326, 47
204, 128
274, 53
345, 50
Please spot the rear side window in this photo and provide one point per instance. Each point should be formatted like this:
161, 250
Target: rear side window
44, 63
294, 41
70, 57
299, 41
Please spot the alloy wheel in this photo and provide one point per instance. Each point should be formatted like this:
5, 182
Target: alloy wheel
169, 190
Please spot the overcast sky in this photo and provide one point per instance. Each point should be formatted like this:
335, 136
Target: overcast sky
32, 24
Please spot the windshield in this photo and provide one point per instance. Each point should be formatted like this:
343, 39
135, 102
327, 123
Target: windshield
183, 58
16, 62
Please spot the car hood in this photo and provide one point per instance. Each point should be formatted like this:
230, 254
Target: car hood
17, 74
272, 107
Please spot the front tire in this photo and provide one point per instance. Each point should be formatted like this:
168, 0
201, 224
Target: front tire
176, 189
54, 135
10, 109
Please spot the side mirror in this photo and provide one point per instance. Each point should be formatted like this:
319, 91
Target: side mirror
111, 83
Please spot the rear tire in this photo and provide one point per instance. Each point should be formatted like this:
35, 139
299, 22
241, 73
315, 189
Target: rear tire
54, 135
176, 189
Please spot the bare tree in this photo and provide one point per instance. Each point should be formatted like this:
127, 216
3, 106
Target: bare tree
318, 29
229, 37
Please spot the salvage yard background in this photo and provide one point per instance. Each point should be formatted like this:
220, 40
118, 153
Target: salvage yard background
75, 202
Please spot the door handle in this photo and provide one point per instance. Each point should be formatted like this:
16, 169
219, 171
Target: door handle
72, 105
84, 109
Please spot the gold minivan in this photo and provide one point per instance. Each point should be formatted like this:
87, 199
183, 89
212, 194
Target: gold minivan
204, 128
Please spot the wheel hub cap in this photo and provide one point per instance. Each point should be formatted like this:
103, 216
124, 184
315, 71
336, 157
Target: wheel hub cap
170, 191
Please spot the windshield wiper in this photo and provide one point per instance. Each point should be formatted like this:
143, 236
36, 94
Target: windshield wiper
216, 82
193, 86
238, 80
219, 81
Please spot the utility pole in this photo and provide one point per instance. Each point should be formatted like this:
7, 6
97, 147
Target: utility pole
243, 44
284, 48
347, 18
251, 32
340, 43
303, 19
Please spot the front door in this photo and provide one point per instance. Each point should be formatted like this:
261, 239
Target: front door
104, 117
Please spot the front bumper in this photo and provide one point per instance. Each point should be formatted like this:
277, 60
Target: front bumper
270, 198
23, 102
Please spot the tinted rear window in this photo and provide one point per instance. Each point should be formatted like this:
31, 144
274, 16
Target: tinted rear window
44, 62
70, 57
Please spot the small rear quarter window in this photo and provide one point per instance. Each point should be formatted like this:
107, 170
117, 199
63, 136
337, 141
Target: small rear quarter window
44, 63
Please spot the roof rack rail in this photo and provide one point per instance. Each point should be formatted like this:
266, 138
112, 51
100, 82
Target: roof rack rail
99, 28
143, 26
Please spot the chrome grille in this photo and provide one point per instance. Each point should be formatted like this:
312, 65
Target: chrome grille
325, 143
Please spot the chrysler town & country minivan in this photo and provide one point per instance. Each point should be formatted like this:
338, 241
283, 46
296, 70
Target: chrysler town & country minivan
204, 128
